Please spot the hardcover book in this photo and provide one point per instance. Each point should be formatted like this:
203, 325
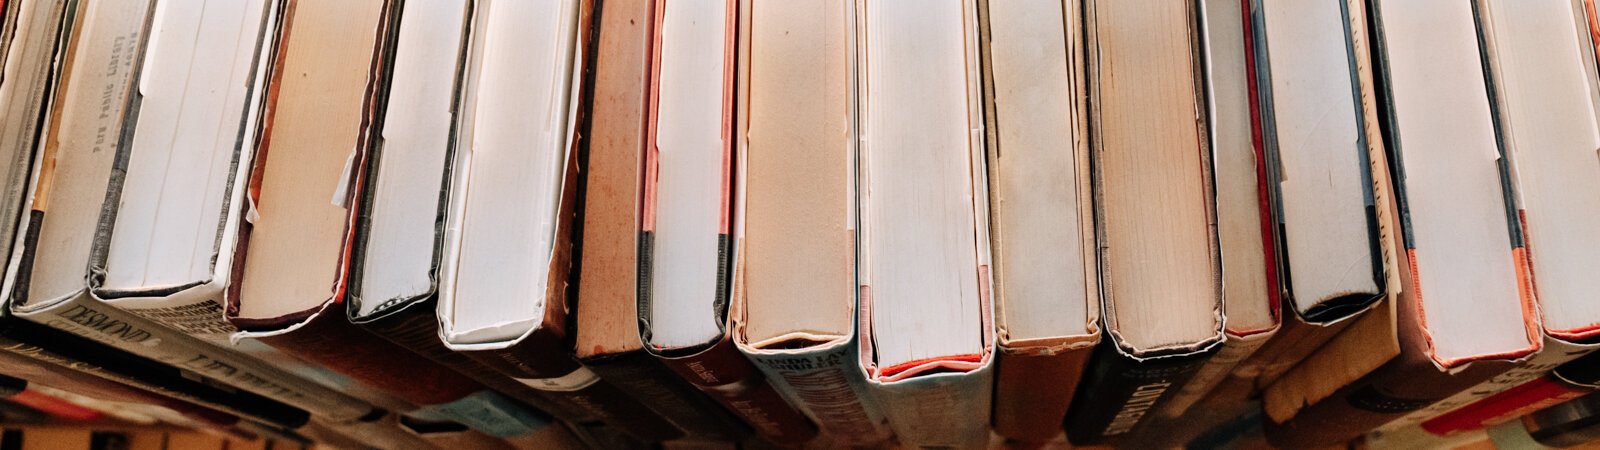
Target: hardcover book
1156, 222
795, 219
1046, 286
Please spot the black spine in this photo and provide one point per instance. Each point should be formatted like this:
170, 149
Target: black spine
1118, 393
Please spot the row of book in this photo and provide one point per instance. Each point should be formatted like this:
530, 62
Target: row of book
460, 222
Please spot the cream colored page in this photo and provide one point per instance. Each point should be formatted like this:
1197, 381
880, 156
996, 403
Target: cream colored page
799, 257
1244, 266
1157, 261
85, 144
400, 238
194, 89
689, 185
1463, 260
297, 246
1313, 105
1040, 256
918, 194
1554, 138
518, 150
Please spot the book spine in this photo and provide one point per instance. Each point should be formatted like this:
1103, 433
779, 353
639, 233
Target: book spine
1033, 391
1403, 385
333, 342
96, 321
645, 378
1524, 399
1295, 340
85, 384
1234, 351
723, 373
939, 410
71, 352
1554, 355
22, 392
1565, 382
541, 362
1119, 393
828, 388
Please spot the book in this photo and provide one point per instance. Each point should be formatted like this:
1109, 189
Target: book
392, 290
1334, 207
33, 35
608, 338
1569, 381
304, 178
685, 247
196, 111
1537, 71
926, 321
794, 225
1371, 339
512, 190
1458, 323
86, 384
1159, 261
1301, 51
65, 210
1046, 288
1251, 300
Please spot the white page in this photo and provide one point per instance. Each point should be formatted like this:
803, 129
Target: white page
918, 192
1040, 254
1328, 239
195, 92
415, 138
85, 142
1467, 282
1548, 96
690, 184
27, 64
518, 138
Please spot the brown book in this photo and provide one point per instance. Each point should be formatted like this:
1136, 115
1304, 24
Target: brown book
1251, 289
1464, 313
289, 288
685, 248
1155, 203
1046, 287
607, 337
795, 264
407, 143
